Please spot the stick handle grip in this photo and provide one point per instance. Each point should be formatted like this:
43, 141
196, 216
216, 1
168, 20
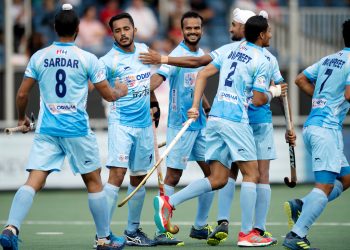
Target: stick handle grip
21, 128
165, 153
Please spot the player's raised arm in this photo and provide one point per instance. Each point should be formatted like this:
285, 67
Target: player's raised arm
153, 57
305, 84
200, 85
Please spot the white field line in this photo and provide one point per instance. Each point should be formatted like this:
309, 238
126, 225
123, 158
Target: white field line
180, 223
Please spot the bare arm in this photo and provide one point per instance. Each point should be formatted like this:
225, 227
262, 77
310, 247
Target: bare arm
22, 100
347, 93
304, 84
205, 102
153, 57
156, 81
259, 98
111, 94
201, 82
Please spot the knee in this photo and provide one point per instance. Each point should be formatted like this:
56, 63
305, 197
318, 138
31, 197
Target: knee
116, 176
172, 177
217, 183
264, 178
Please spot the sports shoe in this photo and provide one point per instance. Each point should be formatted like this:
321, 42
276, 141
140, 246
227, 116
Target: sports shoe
138, 238
117, 239
266, 234
201, 234
163, 211
293, 209
253, 239
294, 242
219, 234
167, 239
8, 240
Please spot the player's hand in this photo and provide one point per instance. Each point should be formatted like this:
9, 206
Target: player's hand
121, 89
152, 57
290, 137
193, 113
155, 111
284, 89
26, 123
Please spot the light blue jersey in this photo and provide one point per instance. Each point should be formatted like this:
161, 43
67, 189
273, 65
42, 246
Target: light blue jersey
132, 110
243, 68
261, 114
182, 83
62, 71
331, 74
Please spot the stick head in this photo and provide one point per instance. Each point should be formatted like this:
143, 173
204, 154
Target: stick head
174, 229
8, 131
290, 184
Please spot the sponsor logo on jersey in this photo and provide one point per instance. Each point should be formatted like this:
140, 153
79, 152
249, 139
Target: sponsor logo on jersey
173, 100
319, 103
61, 52
62, 108
123, 157
228, 97
190, 79
143, 92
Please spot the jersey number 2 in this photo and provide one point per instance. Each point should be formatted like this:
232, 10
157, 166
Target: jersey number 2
328, 74
61, 87
228, 81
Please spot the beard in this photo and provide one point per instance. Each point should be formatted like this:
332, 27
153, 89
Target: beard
126, 45
235, 38
192, 42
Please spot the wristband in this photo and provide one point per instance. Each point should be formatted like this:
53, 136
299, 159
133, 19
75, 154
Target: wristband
164, 59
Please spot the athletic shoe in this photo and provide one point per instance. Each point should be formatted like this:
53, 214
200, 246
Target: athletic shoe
219, 234
201, 234
267, 234
253, 239
167, 239
163, 211
113, 237
294, 242
114, 243
293, 209
8, 240
138, 238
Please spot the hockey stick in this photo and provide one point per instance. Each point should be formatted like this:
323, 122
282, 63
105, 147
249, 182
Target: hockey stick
21, 128
159, 168
293, 172
165, 153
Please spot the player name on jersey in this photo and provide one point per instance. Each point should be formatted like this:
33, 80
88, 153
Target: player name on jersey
61, 62
334, 62
241, 57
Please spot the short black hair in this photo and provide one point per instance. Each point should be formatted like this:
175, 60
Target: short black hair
121, 16
346, 33
190, 14
66, 23
254, 26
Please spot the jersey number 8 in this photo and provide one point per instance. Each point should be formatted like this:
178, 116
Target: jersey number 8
61, 88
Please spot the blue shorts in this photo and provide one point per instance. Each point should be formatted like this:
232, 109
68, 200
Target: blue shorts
190, 147
264, 142
229, 141
130, 148
326, 148
48, 153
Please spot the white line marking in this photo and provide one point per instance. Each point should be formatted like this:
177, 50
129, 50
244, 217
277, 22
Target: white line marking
49, 233
180, 223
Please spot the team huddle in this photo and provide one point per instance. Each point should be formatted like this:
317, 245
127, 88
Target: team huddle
233, 134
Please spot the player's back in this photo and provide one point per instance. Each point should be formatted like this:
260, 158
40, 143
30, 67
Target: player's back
62, 71
182, 84
329, 106
243, 68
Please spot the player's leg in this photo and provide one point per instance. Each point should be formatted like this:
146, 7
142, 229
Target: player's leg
141, 160
201, 230
326, 156
39, 165
225, 198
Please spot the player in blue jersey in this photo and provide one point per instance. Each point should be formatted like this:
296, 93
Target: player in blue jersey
244, 71
328, 82
260, 118
62, 71
130, 135
192, 145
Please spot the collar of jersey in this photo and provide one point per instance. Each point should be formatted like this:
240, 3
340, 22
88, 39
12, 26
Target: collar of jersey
64, 44
255, 46
116, 47
183, 45
347, 48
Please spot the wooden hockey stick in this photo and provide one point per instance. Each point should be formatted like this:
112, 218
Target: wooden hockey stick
21, 128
